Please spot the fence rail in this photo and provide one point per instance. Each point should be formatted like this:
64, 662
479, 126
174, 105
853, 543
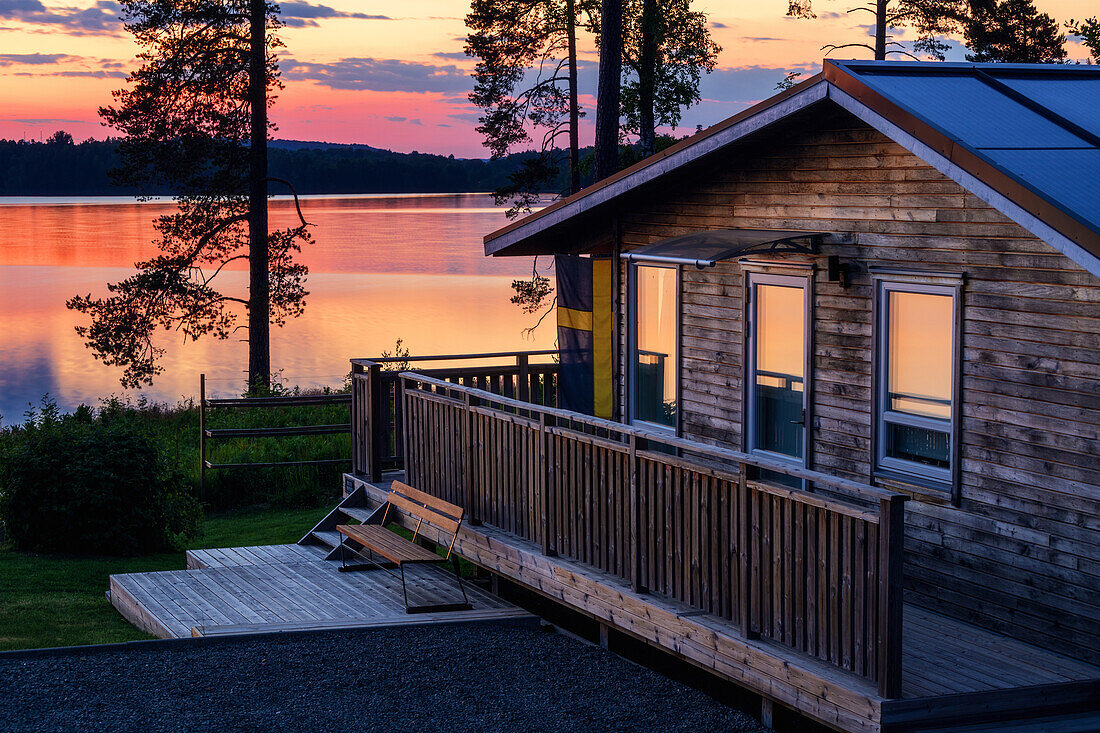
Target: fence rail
207, 434
818, 574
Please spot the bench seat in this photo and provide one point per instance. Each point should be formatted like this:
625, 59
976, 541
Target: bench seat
389, 545
376, 539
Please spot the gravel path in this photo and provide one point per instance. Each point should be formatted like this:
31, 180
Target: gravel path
428, 678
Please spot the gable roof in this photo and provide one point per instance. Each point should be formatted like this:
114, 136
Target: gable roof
1023, 137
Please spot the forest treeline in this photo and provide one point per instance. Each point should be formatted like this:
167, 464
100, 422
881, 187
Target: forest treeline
58, 167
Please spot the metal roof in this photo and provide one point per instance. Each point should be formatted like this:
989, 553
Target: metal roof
1024, 137
1037, 125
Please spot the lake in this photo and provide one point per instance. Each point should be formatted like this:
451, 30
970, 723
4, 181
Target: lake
382, 267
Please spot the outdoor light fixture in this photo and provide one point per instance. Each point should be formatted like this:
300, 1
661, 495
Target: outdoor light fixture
837, 271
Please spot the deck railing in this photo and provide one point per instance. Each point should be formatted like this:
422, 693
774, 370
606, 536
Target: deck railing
377, 405
817, 569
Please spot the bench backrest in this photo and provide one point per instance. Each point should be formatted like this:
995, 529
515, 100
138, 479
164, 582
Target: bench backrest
425, 507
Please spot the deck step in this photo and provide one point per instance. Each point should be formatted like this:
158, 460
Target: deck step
328, 537
354, 505
359, 514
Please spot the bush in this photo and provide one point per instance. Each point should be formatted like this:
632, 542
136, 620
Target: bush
91, 483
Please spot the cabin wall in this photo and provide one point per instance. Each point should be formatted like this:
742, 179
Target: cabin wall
1018, 555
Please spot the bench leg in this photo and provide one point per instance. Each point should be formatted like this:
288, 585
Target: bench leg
458, 574
404, 589
464, 606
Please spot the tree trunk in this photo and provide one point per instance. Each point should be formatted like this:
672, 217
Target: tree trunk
607, 101
880, 29
259, 295
647, 79
574, 109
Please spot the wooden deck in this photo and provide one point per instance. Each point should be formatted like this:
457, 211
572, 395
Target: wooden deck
952, 671
243, 590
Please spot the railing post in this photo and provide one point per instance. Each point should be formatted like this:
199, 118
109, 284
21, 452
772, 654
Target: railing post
544, 484
523, 378
637, 580
374, 423
397, 425
358, 421
891, 557
403, 432
468, 460
744, 552
202, 437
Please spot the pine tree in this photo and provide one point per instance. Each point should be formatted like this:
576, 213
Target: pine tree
194, 121
1088, 30
525, 83
1015, 32
667, 48
930, 19
609, 90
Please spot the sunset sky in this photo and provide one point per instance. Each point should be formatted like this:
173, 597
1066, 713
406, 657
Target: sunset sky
387, 73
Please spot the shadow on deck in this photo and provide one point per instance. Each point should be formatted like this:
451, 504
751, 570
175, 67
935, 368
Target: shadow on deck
249, 590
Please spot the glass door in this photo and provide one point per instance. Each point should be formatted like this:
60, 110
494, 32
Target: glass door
776, 423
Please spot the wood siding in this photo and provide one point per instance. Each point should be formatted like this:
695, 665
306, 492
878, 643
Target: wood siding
1019, 553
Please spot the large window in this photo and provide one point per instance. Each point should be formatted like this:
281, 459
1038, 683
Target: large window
916, 379
653, 353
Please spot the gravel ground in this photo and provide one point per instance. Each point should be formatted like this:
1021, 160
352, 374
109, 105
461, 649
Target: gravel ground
428, 678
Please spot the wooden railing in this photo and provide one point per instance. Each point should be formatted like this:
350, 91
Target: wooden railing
377, 405
804, 568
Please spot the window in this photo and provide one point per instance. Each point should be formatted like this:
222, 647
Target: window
654, 368
777, 366
917, 365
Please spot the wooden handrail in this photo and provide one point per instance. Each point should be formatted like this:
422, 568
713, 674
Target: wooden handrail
451, 357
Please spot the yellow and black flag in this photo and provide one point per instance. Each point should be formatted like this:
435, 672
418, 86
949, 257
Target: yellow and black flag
585, 334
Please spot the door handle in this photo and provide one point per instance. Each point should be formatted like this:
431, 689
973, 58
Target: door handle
801, 421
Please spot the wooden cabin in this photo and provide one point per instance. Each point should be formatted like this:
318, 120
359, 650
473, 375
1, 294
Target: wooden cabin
833, 367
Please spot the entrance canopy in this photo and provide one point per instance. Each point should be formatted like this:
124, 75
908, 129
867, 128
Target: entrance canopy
706, 249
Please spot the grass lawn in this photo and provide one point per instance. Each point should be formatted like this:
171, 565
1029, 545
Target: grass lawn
58, 600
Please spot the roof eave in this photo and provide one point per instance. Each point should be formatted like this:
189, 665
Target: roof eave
751, 120
1012, 197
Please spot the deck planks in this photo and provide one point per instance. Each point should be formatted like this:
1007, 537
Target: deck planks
964, 658
287, 588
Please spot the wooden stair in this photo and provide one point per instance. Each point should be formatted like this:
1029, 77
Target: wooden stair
353, 509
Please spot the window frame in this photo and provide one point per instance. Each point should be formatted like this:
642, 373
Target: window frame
942, 482
792, 277
632, 346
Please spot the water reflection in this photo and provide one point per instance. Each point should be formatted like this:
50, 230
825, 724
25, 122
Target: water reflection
431, 234
383, 268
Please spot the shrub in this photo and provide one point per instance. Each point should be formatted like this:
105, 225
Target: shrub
91, 483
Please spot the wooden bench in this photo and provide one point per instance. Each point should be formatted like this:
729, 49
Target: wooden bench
375, 539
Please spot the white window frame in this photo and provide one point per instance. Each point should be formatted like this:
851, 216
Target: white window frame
930, 477
632, 348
